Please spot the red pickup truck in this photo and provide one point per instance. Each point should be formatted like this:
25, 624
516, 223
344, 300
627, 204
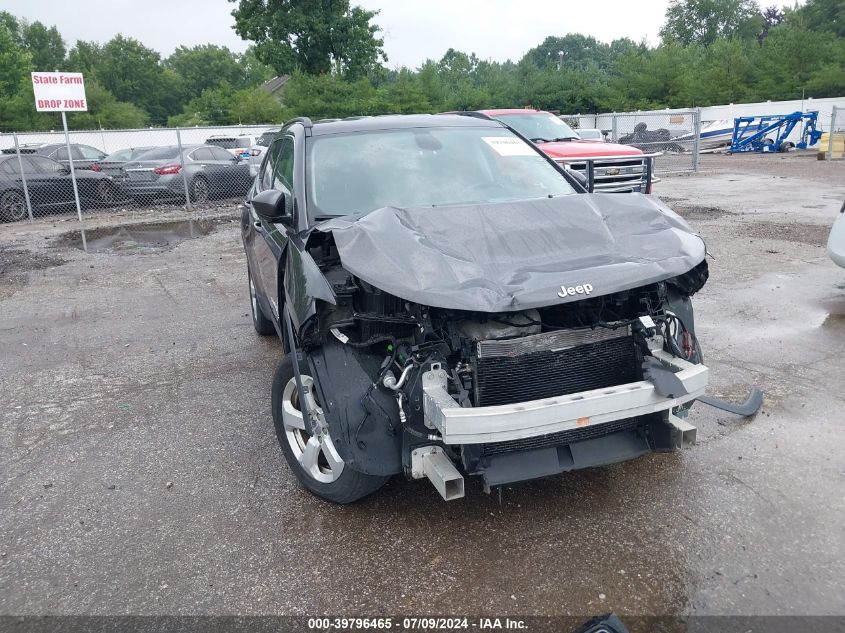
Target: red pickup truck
608, 167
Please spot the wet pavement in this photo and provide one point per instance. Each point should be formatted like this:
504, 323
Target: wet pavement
139, 471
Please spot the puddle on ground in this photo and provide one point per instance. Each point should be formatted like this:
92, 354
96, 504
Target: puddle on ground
139, 238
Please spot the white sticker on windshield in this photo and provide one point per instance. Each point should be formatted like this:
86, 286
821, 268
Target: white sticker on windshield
509, 146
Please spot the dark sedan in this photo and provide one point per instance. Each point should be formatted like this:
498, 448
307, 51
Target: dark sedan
83, 155
49, 185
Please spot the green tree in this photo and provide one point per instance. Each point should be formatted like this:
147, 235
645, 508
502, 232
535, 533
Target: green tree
205, 66
497, 82
133, 73
329, 96
793, 60
85, 58
772, 16
572, 50
651, 78
431, 83
704, 21
46, 46
725, 74
457, 72
209, 108
253, 70
312, 36
405, 94
15, 62
254, 105
12, 24
823, 15
18, 114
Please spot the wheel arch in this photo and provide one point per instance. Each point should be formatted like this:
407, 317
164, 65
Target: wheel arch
363, 421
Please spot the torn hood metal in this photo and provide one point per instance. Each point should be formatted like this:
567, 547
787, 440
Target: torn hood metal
502, 257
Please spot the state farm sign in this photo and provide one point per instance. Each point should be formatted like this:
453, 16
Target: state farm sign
59, 91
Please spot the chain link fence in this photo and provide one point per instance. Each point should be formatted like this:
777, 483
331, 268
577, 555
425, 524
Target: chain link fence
673, 134
835, 148
126, 170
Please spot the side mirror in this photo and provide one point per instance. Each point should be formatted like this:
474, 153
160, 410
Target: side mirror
580, 178
272, 206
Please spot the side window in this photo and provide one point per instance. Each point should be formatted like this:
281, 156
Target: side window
203, 153
283, 173
60, 154
122, 155
30, 164
221, 154
89, 152
269, 166
41, 165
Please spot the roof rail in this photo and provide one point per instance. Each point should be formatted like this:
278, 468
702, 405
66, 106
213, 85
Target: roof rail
471, 113
306, 122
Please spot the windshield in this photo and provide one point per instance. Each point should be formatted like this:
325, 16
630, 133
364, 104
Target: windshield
419, 167
541, 127
159, 153
229, 143
119, 156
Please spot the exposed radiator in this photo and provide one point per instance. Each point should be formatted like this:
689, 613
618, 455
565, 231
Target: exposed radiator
552, 364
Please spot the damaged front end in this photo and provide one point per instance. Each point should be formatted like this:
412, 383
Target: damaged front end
434, 391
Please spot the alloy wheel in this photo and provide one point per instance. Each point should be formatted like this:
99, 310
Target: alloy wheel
309, 438
253, 298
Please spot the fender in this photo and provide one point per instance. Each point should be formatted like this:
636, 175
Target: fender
303, 283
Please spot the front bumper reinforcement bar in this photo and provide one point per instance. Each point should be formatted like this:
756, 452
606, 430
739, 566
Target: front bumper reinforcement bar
482, 425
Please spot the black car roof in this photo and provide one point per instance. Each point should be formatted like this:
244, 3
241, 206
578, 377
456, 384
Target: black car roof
396, 122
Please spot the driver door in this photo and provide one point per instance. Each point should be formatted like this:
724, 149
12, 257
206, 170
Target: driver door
267, 240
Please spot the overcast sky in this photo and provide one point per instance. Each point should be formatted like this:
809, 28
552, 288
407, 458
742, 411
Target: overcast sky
413, 30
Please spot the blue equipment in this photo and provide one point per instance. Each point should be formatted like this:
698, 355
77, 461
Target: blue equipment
752, 133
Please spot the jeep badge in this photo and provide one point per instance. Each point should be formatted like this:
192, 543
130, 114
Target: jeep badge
577, 290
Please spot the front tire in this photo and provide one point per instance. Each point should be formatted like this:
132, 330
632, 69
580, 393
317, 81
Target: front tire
310, 452
12, 206
262, 324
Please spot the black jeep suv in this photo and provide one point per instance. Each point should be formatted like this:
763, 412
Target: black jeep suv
450, 302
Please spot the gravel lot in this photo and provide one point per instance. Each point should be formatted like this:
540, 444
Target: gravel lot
139, 472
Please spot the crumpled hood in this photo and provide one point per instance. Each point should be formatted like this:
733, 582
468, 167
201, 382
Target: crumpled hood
517, 255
